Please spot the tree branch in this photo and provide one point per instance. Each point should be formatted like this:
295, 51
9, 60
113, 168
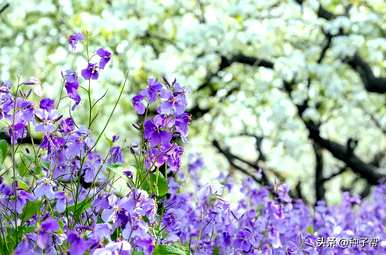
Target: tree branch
339, 151
339, 172
370, 81
4, 7
319, 179
232, 159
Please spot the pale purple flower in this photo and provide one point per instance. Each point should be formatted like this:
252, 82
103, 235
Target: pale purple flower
61, 201
74, 39
115, 248
182, 124
137, 102
102, 231
47, 227
116, 155
47, 120
105, 57
45, 188
22, 198
153, 89
173, 102
72, 84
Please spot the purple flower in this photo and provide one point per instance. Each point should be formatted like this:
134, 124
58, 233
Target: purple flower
102, 231
128, 173
116, 155
27, 246
61, 201
17, 132
52, 143
78, 246
110, 212
47, 227
47, 104
150, 94
105, 56
90, 72
4, 188
74, 39
24, 110
72, 84
5, 85
137, 103
121, 248
157, 156
153, 89
115, 138
154, 134
174, 158
145, 242
282, 192
67, 125
45, 188
47, 118
22, 198
196, 163
92, 167
182, 124
174, 102
6, 105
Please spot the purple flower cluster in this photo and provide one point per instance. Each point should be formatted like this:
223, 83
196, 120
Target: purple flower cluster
267, 221
170, 123
57, 195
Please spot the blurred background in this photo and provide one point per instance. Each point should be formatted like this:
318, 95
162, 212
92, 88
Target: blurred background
281, 91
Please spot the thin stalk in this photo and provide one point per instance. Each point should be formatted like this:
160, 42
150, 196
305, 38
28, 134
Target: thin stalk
14, 185
111, 114
89, 103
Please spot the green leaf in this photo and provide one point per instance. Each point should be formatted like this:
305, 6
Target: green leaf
79, 208
22, 169
3, 150
30, 209
216, 251
174, 249
160, 184
22, 185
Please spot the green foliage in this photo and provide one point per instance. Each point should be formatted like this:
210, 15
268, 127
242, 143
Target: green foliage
3, 150
79, 208
155, 184
174, 249
21, 184
9, 241
160, 184
30, 209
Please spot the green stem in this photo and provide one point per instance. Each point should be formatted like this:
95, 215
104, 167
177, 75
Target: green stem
14, 185
89, 103
111, 113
